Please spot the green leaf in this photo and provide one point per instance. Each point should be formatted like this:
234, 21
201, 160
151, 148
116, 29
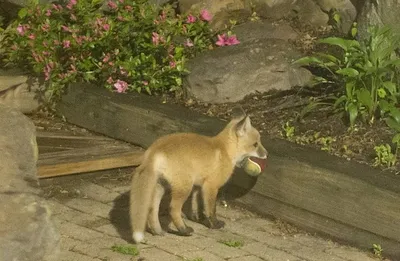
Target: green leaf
349, 88
384, 106
390, 86
339, 100
22, 13
353, 113
364, 97
329, 58
348, 72
396, 138
393, 124
342, 43
308, 60
395, 114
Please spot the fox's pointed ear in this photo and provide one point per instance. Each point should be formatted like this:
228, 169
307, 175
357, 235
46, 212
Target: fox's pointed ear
243, 126
238, 112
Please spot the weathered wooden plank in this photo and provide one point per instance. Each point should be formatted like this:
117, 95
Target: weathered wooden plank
320, 185
119, 160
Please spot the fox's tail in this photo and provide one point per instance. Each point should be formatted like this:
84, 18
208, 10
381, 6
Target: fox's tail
143, 185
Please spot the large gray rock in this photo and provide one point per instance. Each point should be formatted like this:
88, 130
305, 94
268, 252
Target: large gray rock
228, 74
383, 12
27, 232
20, 92
312, 12
346, 10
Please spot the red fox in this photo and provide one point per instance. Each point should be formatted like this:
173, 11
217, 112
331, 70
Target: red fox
181, 161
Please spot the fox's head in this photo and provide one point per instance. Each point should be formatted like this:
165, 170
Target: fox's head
248, 138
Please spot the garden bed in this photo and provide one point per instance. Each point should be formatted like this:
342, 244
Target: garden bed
342, 199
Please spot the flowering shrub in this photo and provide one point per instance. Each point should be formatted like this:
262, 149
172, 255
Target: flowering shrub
128, 45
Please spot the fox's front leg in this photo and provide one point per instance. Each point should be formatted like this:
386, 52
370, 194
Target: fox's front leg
210, 192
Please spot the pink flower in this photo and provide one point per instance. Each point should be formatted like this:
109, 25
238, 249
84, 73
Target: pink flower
156, 38
172, 64
66, 44
106, 27
232, 40
205, 15
66, 29
45, 27
112, 5
48, 12
110, 80
145, 83
106, 58
71, 4
21, 29
57, 7
188, 43
32, 36
121, 86
224, 40
190, 19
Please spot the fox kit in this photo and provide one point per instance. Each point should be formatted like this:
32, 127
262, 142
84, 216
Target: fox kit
181, 161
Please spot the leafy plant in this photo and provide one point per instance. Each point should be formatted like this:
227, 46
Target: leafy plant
232, 243
129, 45
288, 131
384, 156
125, 249
367, 74
377, 250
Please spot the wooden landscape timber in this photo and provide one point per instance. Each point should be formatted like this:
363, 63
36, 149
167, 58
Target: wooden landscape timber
347, 201
63, 153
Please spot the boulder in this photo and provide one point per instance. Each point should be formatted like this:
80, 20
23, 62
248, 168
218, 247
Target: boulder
20, 92
346, 10
27, 232
228, 74
383, 12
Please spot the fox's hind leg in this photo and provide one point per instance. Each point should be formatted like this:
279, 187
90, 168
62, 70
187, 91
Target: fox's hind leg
154, 221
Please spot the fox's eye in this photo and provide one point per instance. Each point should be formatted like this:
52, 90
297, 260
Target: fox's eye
255, 145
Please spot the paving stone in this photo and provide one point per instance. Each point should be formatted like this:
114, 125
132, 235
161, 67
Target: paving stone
72, 256
97, 192
203, 254
89, 206
263, 251
217, 248
349, 253
247, 258
155, 254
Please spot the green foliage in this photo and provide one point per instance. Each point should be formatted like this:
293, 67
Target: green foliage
384, 156
367, 74
125, 249
377, 250
288, 131
232, 243
124, 45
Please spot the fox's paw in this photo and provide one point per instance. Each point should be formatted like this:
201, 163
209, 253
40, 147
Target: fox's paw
157, 232
213, 223
185, 231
